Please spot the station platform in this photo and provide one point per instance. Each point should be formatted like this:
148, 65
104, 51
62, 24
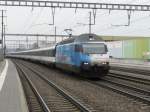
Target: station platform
129, 63
12, 98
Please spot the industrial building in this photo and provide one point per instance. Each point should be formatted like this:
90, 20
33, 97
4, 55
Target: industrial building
128, 47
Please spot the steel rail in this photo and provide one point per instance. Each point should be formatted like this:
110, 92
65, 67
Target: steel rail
130, 78
127, 93
143, 91
124, 92
128, 74
62, 92
132, 70
39, 97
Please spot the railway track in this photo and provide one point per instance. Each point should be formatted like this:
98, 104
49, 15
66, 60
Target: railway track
126, 89
34, 99
137, 93
52, 97
138, 78
132, 70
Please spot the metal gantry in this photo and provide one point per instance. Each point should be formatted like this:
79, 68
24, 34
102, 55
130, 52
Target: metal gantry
83, 5
36, 35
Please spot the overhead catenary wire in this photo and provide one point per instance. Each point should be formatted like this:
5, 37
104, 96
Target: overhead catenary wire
132, 21
129, 20
111, 13
34, 21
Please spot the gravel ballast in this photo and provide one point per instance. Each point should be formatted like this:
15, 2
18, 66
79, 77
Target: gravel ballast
101, 99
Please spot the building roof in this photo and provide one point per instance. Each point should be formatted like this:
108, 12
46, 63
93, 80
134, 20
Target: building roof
119, 38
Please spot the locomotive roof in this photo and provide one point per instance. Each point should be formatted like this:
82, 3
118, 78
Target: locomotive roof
82, 38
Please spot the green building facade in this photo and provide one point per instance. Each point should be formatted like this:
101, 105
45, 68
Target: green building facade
136, 48
128, 46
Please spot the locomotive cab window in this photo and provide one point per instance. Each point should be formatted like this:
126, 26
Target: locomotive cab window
78, 48
94, 48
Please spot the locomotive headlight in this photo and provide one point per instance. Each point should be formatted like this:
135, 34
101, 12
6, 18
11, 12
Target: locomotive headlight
104, 63
85, 63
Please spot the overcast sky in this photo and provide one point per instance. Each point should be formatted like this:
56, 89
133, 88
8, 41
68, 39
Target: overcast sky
36, 20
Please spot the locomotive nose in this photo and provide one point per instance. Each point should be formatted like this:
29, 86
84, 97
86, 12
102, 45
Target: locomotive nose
99, 60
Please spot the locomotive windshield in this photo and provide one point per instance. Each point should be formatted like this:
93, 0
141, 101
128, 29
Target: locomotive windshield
95, 48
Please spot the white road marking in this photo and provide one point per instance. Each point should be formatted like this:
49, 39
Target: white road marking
3, 75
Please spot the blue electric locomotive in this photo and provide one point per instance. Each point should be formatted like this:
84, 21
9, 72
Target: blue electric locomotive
86, 53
